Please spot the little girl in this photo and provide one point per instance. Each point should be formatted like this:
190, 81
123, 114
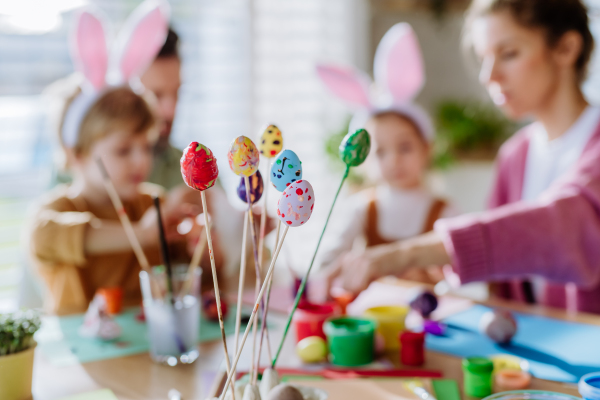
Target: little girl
77, 243
401, 133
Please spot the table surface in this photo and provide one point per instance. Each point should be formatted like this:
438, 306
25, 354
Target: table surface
137, 377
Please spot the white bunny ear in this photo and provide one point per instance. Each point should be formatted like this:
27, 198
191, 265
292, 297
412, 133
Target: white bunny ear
88, 48
398, 65
349, 84
140, 40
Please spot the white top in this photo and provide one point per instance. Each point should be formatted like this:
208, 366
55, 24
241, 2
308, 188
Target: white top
547, 160
400, 214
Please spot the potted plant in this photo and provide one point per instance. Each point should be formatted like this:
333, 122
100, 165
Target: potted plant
16, 353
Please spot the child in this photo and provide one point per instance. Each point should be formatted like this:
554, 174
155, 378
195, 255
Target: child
543, 219
401, 133
77, 243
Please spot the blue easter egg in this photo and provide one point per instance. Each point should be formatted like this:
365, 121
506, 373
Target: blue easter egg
286, 169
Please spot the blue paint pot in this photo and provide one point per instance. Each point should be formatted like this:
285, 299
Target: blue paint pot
589, 386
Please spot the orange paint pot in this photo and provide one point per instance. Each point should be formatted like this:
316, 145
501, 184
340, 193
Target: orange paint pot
512, 379
113, 296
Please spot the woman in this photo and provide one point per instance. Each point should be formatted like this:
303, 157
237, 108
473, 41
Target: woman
544, 216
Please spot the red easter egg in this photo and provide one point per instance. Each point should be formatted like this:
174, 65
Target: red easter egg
199, 167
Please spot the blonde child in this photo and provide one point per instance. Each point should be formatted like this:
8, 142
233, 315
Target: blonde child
77, 243
400, 206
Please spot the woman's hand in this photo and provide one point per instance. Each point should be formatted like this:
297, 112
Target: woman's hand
357, 269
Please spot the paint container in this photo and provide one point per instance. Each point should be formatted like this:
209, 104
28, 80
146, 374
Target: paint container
589, 386
412, 349
113, 296
477, 373
351, 340
511, 379
390, 322
309, 318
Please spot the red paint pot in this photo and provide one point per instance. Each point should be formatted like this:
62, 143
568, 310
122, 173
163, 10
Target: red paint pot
412, 348
309, 317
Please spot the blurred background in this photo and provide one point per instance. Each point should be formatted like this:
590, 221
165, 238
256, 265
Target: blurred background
247, 63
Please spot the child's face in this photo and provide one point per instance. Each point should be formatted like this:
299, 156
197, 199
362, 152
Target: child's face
127, 158
401, 152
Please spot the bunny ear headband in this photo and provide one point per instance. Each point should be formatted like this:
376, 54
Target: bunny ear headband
134, 49
399, 77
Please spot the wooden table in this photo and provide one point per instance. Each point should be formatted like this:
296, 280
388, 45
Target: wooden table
137, 377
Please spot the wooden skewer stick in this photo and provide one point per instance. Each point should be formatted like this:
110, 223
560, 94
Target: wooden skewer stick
254, 312
194, 265
238, 312
216, 285
263, 325
253, 372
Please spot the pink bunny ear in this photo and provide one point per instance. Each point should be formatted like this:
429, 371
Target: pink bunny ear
140, 40
88, 49
398, 65
349, 84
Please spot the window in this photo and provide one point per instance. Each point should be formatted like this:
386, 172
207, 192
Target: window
246, 63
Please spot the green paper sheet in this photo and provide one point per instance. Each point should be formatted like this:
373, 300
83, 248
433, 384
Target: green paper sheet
445, 389
104, 394
62, 345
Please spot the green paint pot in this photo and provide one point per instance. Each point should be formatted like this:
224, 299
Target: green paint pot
351, 340
355, 148
477, 373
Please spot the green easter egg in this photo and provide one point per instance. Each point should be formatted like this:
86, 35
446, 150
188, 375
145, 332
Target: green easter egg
355, 147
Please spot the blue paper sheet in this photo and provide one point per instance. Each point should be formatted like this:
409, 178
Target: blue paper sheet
62, 345
556, 350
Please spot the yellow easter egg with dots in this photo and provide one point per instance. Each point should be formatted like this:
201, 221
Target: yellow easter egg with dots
271, 141
312, 349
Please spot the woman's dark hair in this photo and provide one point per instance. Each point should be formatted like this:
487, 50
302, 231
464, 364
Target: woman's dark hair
555, 17
171, 46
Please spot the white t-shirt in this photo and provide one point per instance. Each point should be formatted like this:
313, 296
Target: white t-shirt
400, 214
547, 160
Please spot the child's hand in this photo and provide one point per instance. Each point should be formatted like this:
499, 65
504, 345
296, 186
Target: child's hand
355, 270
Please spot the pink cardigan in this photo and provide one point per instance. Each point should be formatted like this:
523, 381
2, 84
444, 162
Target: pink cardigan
557, 236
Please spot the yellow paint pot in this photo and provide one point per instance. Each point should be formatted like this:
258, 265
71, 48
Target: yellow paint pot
390, 321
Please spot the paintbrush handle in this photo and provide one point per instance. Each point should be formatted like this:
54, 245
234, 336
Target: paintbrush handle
125, 221
254, 312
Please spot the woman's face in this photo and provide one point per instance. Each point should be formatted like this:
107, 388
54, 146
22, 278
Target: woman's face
518, 68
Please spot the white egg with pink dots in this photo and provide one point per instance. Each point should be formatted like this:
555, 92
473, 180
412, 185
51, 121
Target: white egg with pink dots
296, 204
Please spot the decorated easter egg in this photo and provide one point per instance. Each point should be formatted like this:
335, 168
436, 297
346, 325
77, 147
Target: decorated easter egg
296, 203
355, 148
498, 325
286, 169
243, 156
199, 167
256, 188
271, 142
424, 302
312, 349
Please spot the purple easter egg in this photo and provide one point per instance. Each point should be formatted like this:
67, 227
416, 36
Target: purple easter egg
256, 188
424, 303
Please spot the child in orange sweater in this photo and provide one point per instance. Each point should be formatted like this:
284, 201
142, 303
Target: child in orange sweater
77, 243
